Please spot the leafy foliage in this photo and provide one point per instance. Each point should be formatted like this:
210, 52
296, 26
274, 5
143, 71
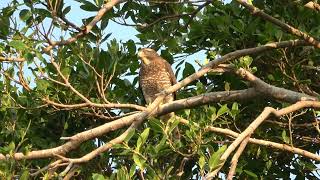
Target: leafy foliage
30, 122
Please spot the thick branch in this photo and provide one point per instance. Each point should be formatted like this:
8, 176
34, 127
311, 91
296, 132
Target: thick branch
270, 144
254, 125
313, 5
231, 56
262, 87
77, 139
235, 158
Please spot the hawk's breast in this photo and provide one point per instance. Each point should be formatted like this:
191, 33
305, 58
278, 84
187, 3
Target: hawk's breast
154, 78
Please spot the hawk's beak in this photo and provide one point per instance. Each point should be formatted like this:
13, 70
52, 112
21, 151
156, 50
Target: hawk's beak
139, 54
143, 58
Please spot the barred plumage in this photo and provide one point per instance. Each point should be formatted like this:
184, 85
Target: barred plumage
155, 75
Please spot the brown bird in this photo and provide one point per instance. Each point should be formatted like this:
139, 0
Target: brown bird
154, 77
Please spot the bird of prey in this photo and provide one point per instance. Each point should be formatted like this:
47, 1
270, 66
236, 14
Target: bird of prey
155, 75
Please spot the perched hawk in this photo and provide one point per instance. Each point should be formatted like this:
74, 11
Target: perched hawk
155, 75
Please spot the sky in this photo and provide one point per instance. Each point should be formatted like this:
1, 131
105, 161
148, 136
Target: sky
119, 32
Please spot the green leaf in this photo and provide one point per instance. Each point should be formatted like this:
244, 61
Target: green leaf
271, 77
309, 166
174, 124
19, 45
234, 110
188, 70
156, 125
142, 138
88, 6
11, 146
187, 112
129, 136
66, 10
251, 174
200, 88
172, 43
235, 106
247, 60
223, 109
214, 160
25, 14
66, 71
42, 84
161, 144
4, 28
132, 171
131, 47
25, 175
202, 161
96, 176
227, 86
284, 136
65, 125
139, 161
99, 2
104, 24
29, 57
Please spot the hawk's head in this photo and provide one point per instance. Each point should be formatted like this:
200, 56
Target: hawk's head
147, 55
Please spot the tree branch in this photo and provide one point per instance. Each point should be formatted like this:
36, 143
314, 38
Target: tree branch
11, 59
91, 104
256, 11
263, 87
254, 125
106, 7
79, 138
235, 158
313, 6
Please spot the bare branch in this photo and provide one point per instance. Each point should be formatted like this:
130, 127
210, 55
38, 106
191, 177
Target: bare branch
251, 128
175, 16
77, 139
194, 13
103, 148
270, 144
91, 104
11, 59
46, 168
106, 7
264, 88
235, 158
313, 6
22, 79
231, 56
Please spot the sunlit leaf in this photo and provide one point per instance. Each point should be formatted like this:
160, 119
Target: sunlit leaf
214, 160
142, 138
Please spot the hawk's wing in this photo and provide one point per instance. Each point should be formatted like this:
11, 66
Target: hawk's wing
171, 74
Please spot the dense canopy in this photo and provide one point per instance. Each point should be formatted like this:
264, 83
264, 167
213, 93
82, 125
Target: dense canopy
71, 106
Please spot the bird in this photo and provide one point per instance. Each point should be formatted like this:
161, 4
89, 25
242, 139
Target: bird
155, 76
